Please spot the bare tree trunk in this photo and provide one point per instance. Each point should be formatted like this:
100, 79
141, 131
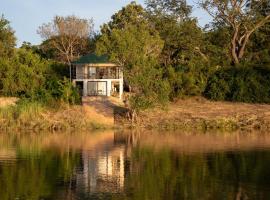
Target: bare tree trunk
69, 65
243, 47
234, 46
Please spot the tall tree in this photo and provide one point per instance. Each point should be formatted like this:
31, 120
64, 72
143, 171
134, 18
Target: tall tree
68, 35
177, 9
7, 38
243, 19
183, 56
259, 49
131, 41
172, 19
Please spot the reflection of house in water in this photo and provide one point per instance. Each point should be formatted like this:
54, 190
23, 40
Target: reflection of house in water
103, 170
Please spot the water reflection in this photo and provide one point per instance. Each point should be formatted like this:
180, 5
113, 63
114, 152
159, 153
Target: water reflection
108, 165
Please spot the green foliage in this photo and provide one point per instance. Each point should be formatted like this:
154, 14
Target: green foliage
7, 38
259, 49
68, 93
150, 88
188, 80
170, 8
244, 84
163, 51
130, 40
26, 75
23, 74
57, 89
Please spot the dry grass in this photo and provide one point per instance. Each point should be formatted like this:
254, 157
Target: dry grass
199, 113
95, 113
101, 109
8, 101
37, 116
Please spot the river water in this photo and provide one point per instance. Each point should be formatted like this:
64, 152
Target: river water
134, 165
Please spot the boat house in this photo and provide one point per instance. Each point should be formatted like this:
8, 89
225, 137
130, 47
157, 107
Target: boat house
96, 76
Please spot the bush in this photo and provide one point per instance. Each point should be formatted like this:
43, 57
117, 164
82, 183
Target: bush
149, 88
26, 75
22, 75
241, 83
188, 80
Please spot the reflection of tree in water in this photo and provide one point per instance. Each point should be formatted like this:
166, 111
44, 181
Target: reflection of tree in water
166, 172
128, 166
36, 177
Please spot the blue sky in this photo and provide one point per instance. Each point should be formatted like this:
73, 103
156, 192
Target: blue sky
27, 15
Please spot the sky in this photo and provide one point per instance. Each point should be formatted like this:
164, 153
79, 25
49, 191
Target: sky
27, 15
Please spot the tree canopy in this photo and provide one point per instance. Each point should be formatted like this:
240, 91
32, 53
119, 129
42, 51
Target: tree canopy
242, 17
68, 35
131, 41
7, 38
164, 52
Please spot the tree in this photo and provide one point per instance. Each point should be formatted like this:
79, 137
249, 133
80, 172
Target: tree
23, 74
183, 57
7, 38
172, 19
243, 19
176, 9
68, 35
129, 37
259, 49
131, 41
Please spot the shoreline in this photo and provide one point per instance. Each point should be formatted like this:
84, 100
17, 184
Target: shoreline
191, 114
35, 116
197, 113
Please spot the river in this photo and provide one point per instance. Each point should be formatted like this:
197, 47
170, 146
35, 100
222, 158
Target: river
134, 165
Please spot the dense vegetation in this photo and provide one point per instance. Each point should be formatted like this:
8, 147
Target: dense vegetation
165, 54
24, 74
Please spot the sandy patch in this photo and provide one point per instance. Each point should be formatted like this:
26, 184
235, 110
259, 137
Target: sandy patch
8, 101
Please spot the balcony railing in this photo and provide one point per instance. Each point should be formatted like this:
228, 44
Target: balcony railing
97, 76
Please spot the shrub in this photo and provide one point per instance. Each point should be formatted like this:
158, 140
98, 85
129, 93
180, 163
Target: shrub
26, 75
189, 79
242, 83
149, 88
22, 75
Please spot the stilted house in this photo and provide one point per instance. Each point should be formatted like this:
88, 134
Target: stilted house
96, 76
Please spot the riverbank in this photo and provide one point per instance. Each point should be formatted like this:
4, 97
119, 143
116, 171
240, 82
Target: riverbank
198, 113
195, 114
54, 116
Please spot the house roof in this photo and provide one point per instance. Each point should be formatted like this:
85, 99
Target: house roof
92, 59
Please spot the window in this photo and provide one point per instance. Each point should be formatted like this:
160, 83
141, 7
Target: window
92, 72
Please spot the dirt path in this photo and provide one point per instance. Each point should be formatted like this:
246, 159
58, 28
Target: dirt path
101, 109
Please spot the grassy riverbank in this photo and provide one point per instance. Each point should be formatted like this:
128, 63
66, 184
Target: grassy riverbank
54, 116
200, 114
196, 114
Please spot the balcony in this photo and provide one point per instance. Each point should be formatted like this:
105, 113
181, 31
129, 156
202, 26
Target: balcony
97, 73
